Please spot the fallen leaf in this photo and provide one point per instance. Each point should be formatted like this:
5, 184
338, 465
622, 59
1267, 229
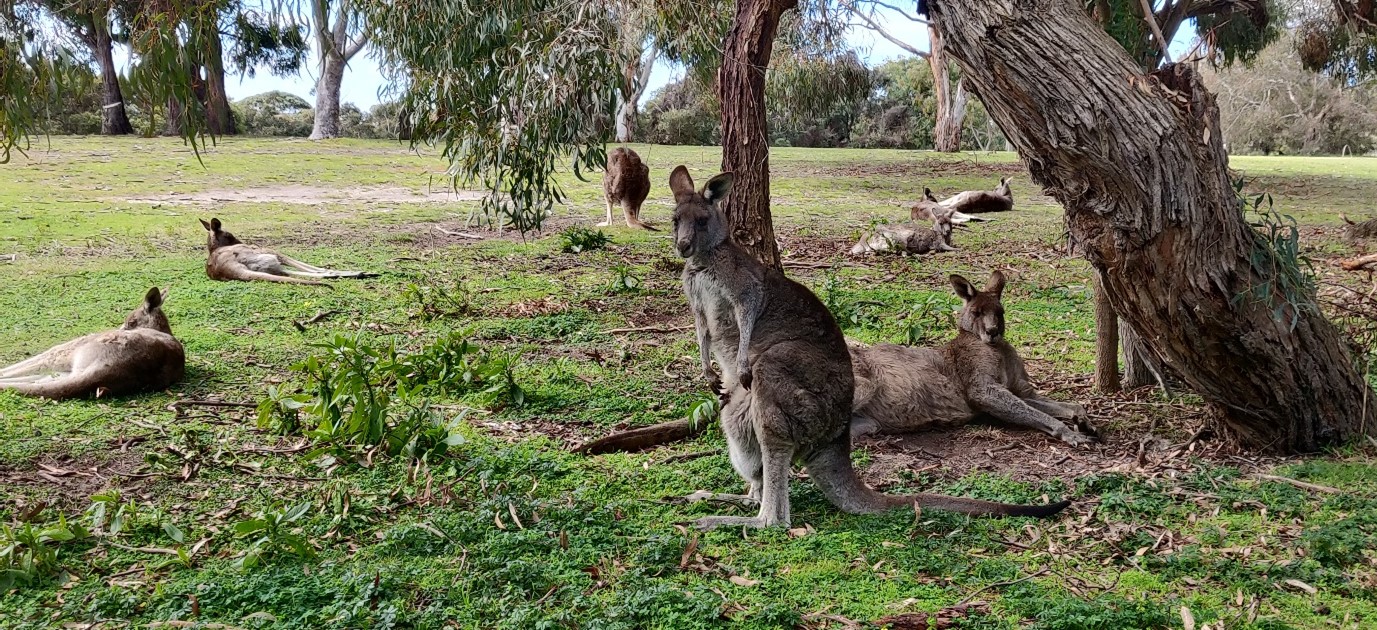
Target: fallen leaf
742, 581
1187, 619
1303, 586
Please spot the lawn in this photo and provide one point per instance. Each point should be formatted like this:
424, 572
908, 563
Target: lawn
138, 510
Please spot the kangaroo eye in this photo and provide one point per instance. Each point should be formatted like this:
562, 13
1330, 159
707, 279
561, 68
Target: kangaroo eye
702, 221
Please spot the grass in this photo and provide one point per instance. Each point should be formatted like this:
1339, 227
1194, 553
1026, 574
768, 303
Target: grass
255, 529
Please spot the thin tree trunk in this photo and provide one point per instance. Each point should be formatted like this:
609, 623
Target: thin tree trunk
636, 78
951, 106
1106, 340
745, 145
1138, 372
327, 99
114, 118
1137, 162
173, 124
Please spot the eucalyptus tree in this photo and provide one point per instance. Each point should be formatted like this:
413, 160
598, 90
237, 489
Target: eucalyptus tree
1135, 154
91, 22
340, 31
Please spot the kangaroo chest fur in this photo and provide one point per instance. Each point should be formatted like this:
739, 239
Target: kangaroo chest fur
707, 293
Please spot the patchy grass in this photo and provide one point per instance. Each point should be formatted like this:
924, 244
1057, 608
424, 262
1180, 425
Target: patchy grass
221, 520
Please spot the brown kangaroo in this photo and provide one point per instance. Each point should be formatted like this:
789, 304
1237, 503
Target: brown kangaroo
141, 355
909, 238
1001, 199
901, 389
928, 209
626, 183
788, 381
231, 259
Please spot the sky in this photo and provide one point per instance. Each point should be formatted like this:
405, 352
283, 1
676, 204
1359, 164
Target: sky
364, 84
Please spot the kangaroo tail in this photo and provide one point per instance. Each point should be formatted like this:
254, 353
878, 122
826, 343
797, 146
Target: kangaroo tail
830, 468
633, 218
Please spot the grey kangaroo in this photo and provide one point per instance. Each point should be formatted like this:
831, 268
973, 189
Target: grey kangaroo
626, 182
901, 389
909, 238
786, 379
1001, 199
141, 355
928, 209
230, 259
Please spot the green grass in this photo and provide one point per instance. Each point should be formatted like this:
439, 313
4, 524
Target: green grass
512, 531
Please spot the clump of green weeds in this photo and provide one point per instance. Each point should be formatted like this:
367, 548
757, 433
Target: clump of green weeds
273, 532
623, 280
1276, 256
577, 239
927, 321
30, 553
432, 301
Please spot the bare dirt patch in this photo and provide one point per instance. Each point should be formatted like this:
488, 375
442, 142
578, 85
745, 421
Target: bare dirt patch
67, 483
920, 168
311, 195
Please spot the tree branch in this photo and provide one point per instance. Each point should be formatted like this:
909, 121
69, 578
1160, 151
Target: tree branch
356, 45
1151, 19
875, 26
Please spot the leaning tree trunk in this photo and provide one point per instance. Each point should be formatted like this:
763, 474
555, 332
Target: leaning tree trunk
114, 118
327, 98
951, 107
745, 145
219, 117
1137, 162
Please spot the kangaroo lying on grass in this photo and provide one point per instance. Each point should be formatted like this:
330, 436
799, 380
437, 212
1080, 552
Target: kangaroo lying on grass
231, 259
909, 238
141, 355
901, 389
788, 382
626, 182
1001, 199
929, 209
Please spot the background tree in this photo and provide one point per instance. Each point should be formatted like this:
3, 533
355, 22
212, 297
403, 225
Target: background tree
340, 31
1152, 203
89, 21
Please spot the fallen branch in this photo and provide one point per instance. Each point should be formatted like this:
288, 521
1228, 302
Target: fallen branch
191, 624
642, 437
315, 319
467, 235
176, 407
158, 550
683, 457
647, 329
999, 584
1361, 263
1299, 484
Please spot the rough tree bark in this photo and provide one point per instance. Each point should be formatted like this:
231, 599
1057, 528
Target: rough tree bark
951, 106
219, 117
745, 145
1137, 371
635, 78
1106, 341
1137, 160
336, 49
114, 118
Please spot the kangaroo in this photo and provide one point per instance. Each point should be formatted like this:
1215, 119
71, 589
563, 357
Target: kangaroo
909, 238
626, 182
141, 355
901, 389
786, 382
928, 209
231, 259
1001, 199
1362, 230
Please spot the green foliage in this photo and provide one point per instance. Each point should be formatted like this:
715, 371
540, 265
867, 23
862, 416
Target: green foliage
1343, 543
110, 514
363, 395
577, 239
433, 300
273, 532
274, 113
1288, 283
928, 320
30, 553
624, 280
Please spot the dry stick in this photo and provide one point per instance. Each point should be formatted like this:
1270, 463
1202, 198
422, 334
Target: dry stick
317, 318
157, 550
643, 437
468, 235
1299, 484
1360, 263
683, 457
648, 329
999, 584
176, 407
1156, 30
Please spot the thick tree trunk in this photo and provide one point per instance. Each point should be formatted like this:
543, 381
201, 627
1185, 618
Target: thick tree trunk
745, 145
951, 107
1138, 372
1137, 162
327, 98
172, 125
1106, 340
114, 118
219, 118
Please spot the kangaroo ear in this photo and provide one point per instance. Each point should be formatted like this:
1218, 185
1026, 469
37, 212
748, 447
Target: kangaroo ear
964, 289
996, 285
717, 188
204, 224
681, 183
153, 299
927, 194
215, 225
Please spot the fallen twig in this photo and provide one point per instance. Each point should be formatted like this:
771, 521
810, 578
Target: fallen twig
1299, 484
999, 584
648, 329
643, 437
683, 457
317, 318
176, 407
1361, 263
158, 550
467, 235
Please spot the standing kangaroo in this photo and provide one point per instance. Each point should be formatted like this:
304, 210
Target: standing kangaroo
626, 183
901, 389
787, 373
231, 259
909, 238
141, 355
